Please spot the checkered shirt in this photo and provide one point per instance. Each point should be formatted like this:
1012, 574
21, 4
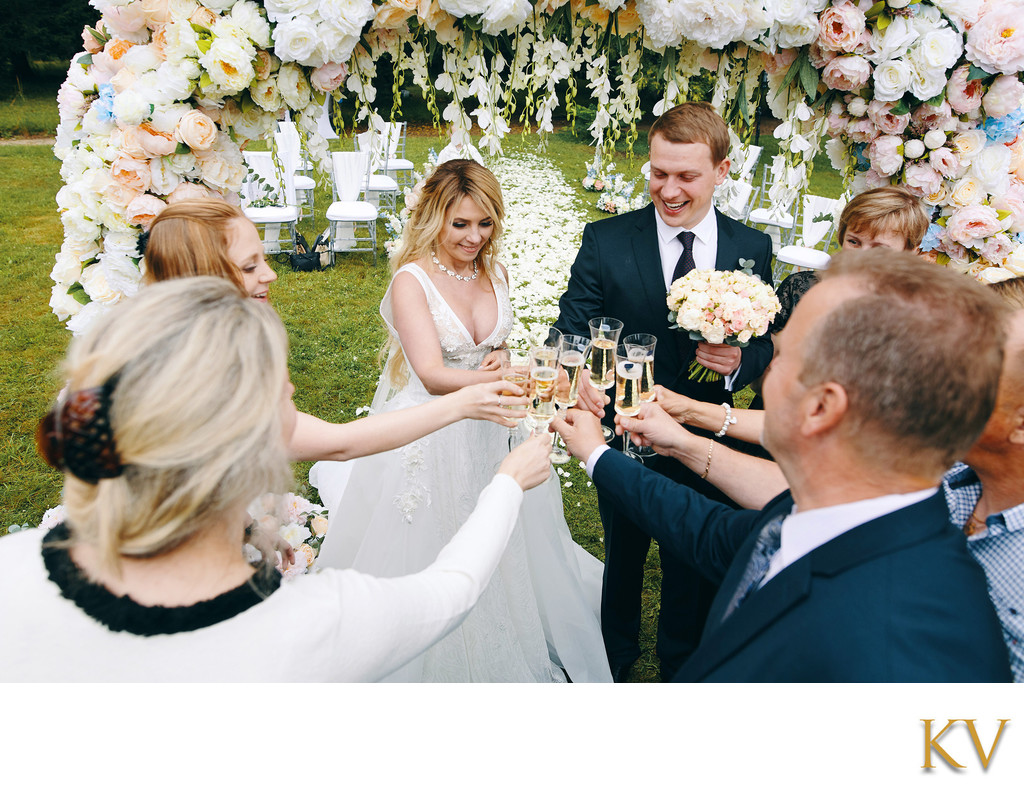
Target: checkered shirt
1000, 552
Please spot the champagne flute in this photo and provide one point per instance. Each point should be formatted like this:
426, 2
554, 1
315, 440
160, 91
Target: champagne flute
628, 375
543, 376
515, 368
604, 337
571, 358
640, 347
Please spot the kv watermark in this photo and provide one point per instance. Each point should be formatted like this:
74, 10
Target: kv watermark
932, 738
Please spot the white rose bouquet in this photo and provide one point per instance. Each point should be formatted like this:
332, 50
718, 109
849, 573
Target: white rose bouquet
289, 519
721, 307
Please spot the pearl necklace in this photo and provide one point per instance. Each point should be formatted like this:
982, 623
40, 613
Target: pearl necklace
457, 276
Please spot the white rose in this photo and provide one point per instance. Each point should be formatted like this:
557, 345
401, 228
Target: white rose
246, 15
123, 243
857, 107
334, 46
960, 12
463, 8
892, 42
169, 83
912, 149
1015, 261
218, 5
935, 138
892, 80
711, 23
62, 304
348, 16
294, 87
294, 534
295, 40
86, 317
266, 94
279, 9
969, 144
966, 192
505, 15
229, 64
926, 82
141, 58
67, 267
788, 12
131, 108
180, 41
991, 167
938, 49
996, 274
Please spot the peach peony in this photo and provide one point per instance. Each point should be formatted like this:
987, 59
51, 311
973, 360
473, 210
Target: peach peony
196, 130
996, 41
143, 209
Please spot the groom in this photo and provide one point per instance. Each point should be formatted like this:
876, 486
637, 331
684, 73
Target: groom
623, 270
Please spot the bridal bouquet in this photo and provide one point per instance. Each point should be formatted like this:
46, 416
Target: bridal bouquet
292, 519
721, 307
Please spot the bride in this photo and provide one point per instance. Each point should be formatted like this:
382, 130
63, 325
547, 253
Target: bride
447, 312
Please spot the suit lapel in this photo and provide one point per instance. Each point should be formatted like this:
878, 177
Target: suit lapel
729, 246
652, 283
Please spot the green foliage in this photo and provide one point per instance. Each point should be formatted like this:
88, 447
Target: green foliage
41, 29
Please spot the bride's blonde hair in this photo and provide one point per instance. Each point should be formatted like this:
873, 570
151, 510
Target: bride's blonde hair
442, 192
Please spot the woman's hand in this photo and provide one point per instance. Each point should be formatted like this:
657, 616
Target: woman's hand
265, 538
653, 427
590, 398
486, 402
680, 407
529, 463
492, 361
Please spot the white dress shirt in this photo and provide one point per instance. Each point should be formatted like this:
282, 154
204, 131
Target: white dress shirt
705, 253
804, 531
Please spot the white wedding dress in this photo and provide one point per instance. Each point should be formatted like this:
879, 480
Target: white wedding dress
391, 513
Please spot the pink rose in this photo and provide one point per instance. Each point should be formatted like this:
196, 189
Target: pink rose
971, 225
775, 63
847, 73
327, 78
840, 27
131, 173
921, 179
881, 115
945, 161
927, 117
996, 41
189, 190
819, 56
963, 95
1013, 201
196, 130
1003, 97
837, 124
154, 142
118, 196
863, 130
995, 250
89, 42
884, 156
143, 209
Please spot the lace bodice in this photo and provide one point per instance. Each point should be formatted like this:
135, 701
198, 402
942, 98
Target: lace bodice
457, 346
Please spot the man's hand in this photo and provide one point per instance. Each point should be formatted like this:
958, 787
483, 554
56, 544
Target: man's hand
652, 427
722, 359
590, 398
581, 431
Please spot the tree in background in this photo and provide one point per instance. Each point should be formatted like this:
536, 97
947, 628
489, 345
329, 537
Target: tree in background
41, 29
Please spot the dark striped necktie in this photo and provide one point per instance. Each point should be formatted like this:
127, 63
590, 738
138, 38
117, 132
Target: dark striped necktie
685, 262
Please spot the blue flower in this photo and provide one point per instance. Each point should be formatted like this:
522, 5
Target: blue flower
858, 153
1005, 129
105, 104
931, 238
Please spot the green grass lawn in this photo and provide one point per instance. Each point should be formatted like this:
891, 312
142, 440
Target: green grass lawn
331, 318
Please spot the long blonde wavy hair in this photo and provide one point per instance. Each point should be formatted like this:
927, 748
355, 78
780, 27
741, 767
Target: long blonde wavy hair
443, 191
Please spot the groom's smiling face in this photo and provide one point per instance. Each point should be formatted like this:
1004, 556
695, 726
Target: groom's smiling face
683, 180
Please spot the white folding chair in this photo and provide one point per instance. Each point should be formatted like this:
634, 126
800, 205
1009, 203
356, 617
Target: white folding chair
289, 146
795, 258
398, 168
818, 220
645, 170
381, 190
733, 198
353, 222
324, 127
268, 201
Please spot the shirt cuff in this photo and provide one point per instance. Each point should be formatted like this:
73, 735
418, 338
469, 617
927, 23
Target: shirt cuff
730, 380
592, 460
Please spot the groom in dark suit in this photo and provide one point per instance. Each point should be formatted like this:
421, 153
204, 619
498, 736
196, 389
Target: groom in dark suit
856, 573
623, 270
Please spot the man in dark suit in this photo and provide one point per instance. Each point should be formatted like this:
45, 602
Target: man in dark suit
623, 270
856, 573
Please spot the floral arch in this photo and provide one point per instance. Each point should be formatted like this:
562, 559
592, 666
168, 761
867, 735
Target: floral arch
167, 92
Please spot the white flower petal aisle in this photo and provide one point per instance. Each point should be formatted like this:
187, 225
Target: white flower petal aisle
543, 228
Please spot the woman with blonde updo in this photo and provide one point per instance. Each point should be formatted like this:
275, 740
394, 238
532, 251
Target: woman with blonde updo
447, 313
146, 580
211, 237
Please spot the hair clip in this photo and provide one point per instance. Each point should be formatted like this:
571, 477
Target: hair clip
76, 434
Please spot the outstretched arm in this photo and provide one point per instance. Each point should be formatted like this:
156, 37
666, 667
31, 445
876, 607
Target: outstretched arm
710, 417
749, 481
314, 439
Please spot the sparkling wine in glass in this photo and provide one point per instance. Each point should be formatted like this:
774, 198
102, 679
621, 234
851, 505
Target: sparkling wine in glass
604, 338
640, 348
515, 368
571, 358
543, 378
628, 375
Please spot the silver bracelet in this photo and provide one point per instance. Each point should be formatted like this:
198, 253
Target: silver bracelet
730, 419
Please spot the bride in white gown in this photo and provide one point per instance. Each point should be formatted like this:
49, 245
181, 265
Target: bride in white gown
447, 312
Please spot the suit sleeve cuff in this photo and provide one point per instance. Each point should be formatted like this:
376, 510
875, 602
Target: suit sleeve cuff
730, 380
594, 457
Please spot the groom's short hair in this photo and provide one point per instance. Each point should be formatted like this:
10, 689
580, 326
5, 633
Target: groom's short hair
694, 122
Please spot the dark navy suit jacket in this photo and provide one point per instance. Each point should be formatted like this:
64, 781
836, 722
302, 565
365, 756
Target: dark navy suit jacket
898, 599
618, 273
